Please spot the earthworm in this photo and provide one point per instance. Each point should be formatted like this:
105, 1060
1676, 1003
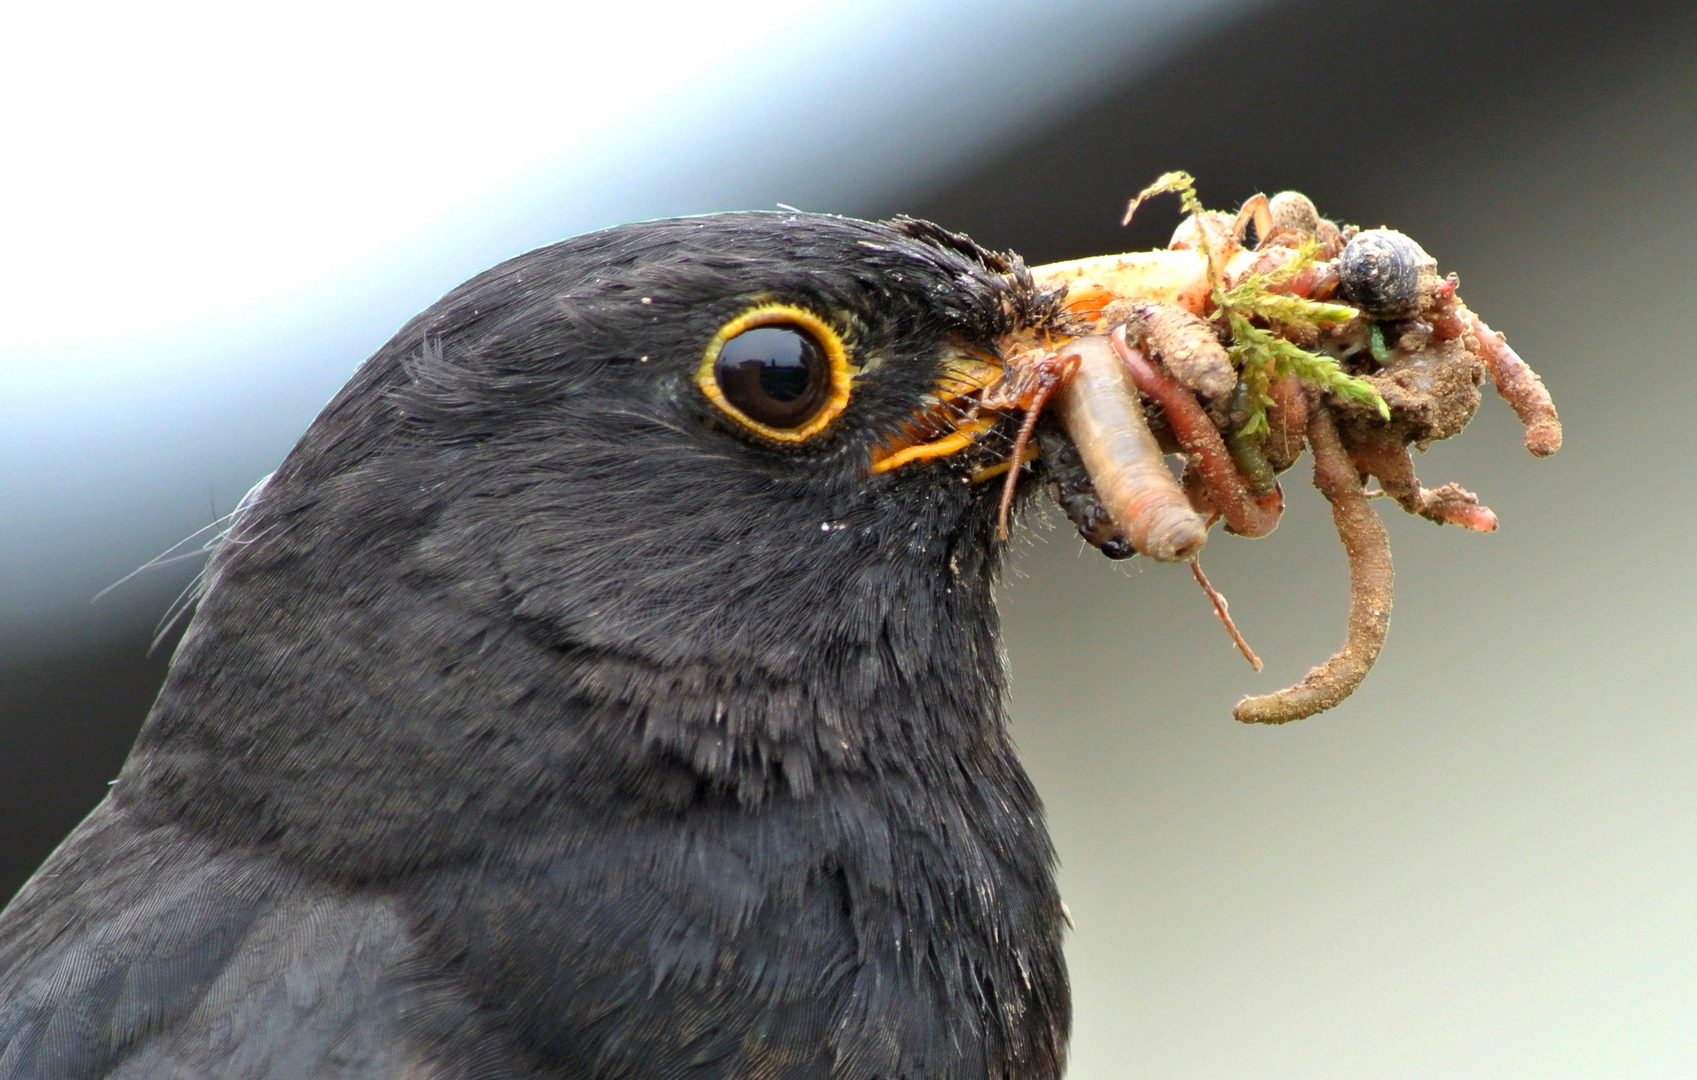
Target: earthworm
1521, 387
1446, 314
1287, 423
1369, 549
1244, 514
1451, 504
1100, 410
1186, 344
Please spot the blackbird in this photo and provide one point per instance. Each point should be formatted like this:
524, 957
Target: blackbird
578, 699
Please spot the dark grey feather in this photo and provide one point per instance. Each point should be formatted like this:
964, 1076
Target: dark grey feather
531, 723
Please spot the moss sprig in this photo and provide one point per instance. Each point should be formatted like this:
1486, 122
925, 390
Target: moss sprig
1261, 354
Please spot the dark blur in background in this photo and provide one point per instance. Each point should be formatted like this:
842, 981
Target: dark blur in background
1482, 865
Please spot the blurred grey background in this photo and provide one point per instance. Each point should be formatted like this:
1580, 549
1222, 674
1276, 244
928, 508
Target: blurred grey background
1483, 865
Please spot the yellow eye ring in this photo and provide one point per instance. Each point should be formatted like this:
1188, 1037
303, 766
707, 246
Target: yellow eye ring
799, 378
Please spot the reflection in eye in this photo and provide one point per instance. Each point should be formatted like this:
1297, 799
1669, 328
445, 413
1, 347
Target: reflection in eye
779, 370
775, 374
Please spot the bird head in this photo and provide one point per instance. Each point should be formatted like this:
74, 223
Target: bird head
689, 499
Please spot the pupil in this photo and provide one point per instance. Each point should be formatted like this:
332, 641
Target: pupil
783, 371
777, 375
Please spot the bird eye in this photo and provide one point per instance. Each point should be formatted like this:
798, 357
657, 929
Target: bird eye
774, 374
779, 370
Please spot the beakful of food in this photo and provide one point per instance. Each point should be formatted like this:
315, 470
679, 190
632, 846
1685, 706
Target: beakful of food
1252, 337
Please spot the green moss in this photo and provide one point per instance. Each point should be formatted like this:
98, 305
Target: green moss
1262, 353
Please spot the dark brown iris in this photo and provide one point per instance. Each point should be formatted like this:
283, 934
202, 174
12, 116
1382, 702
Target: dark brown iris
776, 375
